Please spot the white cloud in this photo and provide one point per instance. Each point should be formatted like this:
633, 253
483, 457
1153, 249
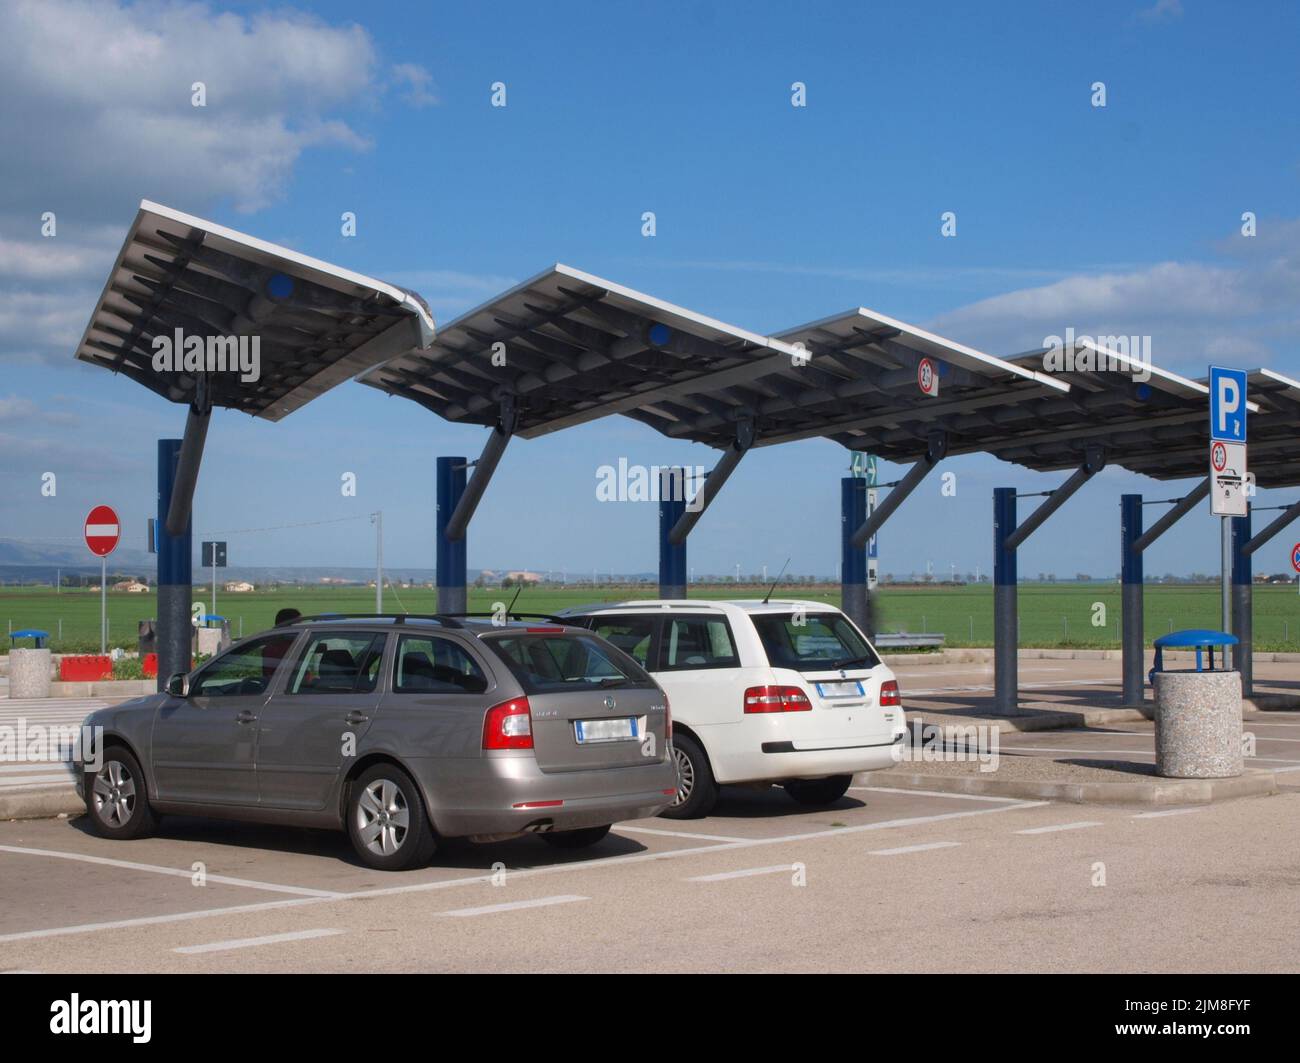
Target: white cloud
1241, 310
415, 83
1161, 11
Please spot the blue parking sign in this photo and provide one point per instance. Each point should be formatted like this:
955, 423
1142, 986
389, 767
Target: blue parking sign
1227, 404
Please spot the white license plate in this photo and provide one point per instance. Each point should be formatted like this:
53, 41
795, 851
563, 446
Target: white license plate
618, 729
852, 689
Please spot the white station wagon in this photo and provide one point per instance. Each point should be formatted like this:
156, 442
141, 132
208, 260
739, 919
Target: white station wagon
764, 692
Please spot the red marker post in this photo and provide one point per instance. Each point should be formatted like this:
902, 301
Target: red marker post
102, 532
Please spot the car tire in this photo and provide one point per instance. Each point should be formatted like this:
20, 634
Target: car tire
697, 792
818, 791
386, 820
117, 797
576, 839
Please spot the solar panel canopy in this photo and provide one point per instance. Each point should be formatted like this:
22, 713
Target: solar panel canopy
315, 325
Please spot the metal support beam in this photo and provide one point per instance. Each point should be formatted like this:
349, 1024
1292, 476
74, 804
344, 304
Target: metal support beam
177, 516
1006, 634
934, 453
1193, 498
672, 555
1007, 537
493, 449
1242, 604
175, 571
1132, 639
450, 558
712, 484
1287, 517
1093, 463
855, 598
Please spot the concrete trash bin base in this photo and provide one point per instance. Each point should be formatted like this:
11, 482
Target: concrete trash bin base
1198, 725
29, 673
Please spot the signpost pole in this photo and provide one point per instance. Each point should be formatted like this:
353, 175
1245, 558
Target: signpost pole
103, 604
214, 580
1225, 582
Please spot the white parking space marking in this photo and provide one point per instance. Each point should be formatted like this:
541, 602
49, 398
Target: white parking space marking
248, 943
153, 920
1023, 686
15, 782
747, 873
514, 906
1017, 750
1062, 826
936, 793
179, 872
614, 861
680, 834
912, 849
1168, 812
64, 766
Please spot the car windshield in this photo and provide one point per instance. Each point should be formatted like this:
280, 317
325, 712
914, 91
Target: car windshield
551, 663
813, 642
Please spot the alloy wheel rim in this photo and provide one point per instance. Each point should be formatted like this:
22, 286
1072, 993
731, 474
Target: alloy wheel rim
383, 817
114, 794
685, 777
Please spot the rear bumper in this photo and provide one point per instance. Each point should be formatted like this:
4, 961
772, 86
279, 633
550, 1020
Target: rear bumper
484, 796
780, 761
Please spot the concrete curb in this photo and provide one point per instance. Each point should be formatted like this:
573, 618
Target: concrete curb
40, 804
1151, 792
1053, 720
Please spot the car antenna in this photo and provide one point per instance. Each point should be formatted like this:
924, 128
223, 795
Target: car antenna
511, 607
776, 581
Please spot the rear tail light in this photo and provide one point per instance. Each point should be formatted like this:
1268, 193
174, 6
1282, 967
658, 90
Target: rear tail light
508, 725
776, 699
889, 694
668, 720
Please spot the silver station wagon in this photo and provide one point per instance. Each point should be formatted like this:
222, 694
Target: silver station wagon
400, 730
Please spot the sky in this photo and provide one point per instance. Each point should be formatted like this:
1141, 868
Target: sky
1117, 220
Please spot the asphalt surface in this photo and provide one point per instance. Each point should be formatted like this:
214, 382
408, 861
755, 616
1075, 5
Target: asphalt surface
885, 880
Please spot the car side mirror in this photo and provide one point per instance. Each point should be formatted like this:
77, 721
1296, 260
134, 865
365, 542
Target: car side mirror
178, 686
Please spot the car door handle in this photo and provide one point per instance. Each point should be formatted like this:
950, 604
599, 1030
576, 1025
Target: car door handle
246, 717
355, 718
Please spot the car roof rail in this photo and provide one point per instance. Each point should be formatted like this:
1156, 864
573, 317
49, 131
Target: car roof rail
522, 616
446, 619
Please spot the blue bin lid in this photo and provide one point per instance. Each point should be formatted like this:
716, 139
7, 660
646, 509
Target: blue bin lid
29, 633
1197, 636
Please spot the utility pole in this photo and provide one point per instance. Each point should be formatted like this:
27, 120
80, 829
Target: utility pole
377, 519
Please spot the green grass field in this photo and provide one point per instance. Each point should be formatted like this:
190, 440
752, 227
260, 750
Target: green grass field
1051, 615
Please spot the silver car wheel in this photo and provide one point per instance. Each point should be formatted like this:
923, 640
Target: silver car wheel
114, 794
382, 817
685, 776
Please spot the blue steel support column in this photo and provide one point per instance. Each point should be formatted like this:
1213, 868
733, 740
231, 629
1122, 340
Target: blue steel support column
1242, 612
853, 559
450, 558
1133, 643
672, 556
1006, 634
175, 558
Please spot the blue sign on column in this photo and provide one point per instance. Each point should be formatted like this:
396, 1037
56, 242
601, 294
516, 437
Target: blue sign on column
1227, 404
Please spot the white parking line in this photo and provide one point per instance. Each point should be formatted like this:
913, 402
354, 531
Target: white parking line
613, 861
514, 906
247, 943
1014, 750
679, 834
152, 920
936, 793
912, 849
1168, 812
178, 872
1061, 826
747, 873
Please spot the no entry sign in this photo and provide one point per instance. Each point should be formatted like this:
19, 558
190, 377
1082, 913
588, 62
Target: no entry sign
102, 531
1295, 557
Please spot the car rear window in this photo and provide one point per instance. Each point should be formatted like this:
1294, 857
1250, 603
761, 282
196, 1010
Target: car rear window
554, 663
811, 642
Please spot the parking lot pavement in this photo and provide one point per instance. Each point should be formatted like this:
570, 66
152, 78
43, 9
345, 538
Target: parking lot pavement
884, 880
22, 718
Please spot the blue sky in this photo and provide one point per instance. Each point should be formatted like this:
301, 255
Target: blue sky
1124, 219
